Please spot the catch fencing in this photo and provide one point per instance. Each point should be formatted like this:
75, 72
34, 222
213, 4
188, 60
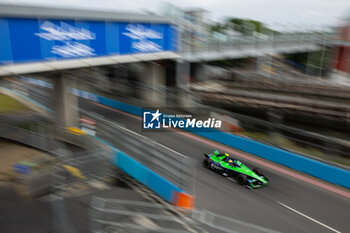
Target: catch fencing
169, 164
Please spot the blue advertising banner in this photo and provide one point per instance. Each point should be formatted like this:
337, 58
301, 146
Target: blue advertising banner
30, 40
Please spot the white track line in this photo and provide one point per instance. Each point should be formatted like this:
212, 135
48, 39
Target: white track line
314, 220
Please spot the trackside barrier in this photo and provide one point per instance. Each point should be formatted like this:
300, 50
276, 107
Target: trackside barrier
303, 164
152, 180
315, 168
121, 106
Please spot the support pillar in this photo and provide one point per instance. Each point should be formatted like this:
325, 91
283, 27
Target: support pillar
183, 80
154, 88
66, 108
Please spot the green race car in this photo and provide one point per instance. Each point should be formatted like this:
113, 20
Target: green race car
230, 167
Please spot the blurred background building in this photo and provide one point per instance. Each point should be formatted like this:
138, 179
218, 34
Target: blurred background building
342, 56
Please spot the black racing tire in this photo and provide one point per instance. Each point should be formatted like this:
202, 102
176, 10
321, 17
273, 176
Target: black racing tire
257, 171
206, 163
241, 179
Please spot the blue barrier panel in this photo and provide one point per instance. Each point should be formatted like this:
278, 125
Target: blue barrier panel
121, 106
162, 187
152, 180
132, 168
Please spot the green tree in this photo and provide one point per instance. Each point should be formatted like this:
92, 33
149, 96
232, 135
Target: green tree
244, 26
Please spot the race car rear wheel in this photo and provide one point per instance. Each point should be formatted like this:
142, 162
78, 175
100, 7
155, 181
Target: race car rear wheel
206, 163
241, 179
257, 171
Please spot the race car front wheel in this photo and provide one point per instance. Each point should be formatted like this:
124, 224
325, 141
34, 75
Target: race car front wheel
241, 179
206, 163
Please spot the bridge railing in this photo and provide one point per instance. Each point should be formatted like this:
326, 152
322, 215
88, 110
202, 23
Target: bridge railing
241, 42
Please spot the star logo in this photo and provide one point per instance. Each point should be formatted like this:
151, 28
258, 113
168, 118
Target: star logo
151, 119
155, 115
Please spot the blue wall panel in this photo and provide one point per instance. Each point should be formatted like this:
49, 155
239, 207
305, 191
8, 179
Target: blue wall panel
24, 42
28, 40
5, 43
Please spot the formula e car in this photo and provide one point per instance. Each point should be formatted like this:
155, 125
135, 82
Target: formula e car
230, 167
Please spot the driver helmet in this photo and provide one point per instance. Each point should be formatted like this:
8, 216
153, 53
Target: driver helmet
230, 162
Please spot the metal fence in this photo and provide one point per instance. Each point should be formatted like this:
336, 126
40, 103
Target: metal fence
171, 165
116, 215
93, 164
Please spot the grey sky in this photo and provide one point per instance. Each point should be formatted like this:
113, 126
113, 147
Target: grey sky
314, 13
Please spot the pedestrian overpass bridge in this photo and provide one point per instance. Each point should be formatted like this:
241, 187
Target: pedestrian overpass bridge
41, 39
53, 40
248, 46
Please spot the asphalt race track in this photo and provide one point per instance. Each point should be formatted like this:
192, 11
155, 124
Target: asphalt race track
287, 204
